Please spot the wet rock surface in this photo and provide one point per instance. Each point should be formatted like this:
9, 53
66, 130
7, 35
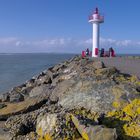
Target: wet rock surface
80, 98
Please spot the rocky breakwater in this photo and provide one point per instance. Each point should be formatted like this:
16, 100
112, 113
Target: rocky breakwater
78, 99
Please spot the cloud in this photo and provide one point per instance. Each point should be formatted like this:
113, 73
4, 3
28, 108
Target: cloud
7, 41
18, 43
13, 44
107, 42
119, 43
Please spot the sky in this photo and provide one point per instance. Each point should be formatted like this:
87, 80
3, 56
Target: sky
30, 26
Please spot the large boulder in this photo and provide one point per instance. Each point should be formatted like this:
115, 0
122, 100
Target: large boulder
82, 93
95, 101
81, 87
28, 105
97, 132
40, 90
60, 89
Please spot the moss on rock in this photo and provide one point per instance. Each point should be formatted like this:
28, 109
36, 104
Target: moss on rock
126, 120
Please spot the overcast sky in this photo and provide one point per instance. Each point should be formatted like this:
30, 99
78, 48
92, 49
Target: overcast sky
62, 25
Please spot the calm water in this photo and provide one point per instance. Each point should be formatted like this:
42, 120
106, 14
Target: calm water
15, 69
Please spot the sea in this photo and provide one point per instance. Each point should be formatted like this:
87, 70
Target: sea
17, 68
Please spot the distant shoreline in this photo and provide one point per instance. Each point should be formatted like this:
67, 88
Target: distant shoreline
37, 53
64, 53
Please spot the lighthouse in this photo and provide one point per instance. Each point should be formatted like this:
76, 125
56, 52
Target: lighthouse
96, 19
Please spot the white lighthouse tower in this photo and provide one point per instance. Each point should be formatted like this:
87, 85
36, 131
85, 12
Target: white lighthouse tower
96, 19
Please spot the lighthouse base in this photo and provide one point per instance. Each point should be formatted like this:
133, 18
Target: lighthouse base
95, 52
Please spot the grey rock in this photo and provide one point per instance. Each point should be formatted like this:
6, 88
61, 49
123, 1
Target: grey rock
131, 97
60, 89
100, 102
4, 97
46, 123
28, 105
51, 74
40, 90
58, 67
97, 132
22, 124
5, 135
129, 88
25, 91
46, 79
106, 84
29, 136
16, 97
30, 83
76, 58
63, 77
82, 93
